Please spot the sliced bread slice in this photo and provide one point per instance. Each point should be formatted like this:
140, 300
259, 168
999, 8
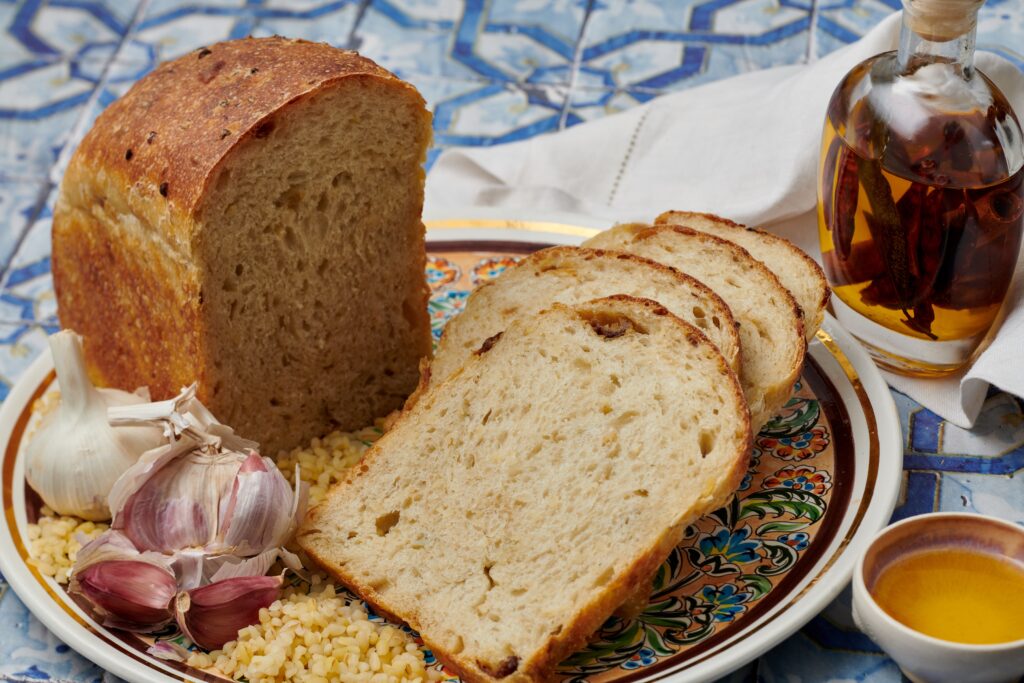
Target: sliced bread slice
572, 275
771, 333
521, 500
797, 271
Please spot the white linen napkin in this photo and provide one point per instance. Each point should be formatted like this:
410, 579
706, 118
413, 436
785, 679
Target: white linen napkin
746, 148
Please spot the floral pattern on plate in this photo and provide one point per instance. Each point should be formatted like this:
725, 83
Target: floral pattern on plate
491, 267
441, 272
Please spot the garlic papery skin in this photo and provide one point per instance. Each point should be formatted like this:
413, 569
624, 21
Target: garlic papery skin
221, 567
122, 587
212, 615
75, 456
182, 413
176, 504
191, 496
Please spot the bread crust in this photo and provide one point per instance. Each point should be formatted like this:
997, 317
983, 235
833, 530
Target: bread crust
552, 253
777, 396
671, 217
180, 121
582, 626
555, 255
129, 229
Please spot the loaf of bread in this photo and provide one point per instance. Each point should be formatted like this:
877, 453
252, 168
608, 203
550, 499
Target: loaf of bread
571, 275
772, 342
796, 270
519, 502
248, 216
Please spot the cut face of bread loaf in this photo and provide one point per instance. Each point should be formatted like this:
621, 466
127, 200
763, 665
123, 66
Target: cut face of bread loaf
771, 334
248, 216
796, 270
521, 500
572, 275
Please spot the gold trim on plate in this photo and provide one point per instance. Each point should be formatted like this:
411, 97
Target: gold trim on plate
531, 226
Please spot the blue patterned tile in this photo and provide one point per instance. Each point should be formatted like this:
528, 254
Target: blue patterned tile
823, 652
1001, 29
667, 45
319, 21
117, 79
27, 293
525, 41
169, 29
20, 201
39, 105
28, 651
20, 344
409, 46
591, 103
839, 22
493, 113
62, 28
999, 496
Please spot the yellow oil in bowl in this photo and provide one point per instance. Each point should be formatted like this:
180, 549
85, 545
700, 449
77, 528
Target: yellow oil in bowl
960, 595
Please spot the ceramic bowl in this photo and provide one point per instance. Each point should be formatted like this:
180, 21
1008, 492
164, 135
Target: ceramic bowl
922, 658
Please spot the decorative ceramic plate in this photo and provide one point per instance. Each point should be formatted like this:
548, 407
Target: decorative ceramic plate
824, 478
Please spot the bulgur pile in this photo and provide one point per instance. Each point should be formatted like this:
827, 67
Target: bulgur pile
54, 541
326, 459
316, 637
311, 634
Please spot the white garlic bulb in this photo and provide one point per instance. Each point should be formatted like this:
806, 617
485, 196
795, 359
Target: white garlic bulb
75, 456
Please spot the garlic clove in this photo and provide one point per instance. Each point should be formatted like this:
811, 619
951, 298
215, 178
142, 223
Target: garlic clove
122, 587
173, 500
260, 512
129, 594
212, 615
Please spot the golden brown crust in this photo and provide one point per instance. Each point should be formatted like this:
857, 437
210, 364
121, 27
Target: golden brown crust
644, 232
538, 258
683, 278
170, 132
773, 400
137, 310
670, 217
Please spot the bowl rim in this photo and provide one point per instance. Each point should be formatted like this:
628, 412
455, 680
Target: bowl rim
869, 599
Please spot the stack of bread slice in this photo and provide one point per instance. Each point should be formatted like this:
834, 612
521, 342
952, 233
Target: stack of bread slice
586, 407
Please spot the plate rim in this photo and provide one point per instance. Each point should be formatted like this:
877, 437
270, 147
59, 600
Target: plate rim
820, 587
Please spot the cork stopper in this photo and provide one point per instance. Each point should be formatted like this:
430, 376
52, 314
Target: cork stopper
941, 20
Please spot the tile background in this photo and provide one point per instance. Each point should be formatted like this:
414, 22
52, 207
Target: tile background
492, 71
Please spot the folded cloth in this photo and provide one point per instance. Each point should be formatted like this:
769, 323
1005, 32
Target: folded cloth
746, 148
